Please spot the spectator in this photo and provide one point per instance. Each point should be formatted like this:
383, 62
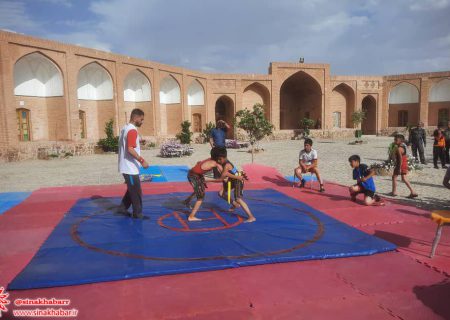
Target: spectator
219, 134
418, 140
447, 142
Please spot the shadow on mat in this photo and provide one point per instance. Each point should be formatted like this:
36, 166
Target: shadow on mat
279, 181
332, 197
397, 239
104, 203
435, 297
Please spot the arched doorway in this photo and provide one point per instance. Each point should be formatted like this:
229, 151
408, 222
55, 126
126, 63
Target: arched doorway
369, 124
403, 105
137, 93
439, 104
95, 97
224, 110
196, 104
343, 102
170, 105
257, 93
300, 97
38, 86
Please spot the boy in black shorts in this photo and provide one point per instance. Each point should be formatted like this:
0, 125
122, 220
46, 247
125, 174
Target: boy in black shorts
364, 182
196, 177
237, 186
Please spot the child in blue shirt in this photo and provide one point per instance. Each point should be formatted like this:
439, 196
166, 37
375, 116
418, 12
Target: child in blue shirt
364, 182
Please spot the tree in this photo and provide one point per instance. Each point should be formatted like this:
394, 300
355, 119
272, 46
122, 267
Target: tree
254, 123
111, 142
307, 124
185, 136
357, 118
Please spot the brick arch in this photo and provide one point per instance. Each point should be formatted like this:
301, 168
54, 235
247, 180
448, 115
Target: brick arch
403, 106
369, 105
300, 96
224, 109
257, 93
95, 95
20, 85
343, 101
39, 88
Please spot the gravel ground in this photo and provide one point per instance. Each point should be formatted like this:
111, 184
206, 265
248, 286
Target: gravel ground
333, 155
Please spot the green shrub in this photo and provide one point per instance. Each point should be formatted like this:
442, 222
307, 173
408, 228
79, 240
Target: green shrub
306, 124
185, 136
111, 142
206, 133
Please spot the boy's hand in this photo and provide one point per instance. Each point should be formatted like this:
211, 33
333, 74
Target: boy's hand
145, 164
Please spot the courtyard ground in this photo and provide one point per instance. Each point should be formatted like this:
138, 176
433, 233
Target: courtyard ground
283, 155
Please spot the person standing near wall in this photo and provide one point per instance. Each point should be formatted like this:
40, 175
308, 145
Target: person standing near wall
130, 161
439, 149
219, 134
447, 142
418, 140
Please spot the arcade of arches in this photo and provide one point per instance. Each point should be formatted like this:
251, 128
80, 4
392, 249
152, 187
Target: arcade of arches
59, 92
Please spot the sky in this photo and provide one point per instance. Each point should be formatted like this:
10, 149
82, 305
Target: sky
356, 37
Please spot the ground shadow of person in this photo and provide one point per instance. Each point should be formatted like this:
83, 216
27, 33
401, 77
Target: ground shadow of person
279, 181
435, 297
397, 239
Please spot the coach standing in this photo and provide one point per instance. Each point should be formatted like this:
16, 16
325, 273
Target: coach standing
418, 141
130, 161
219, 134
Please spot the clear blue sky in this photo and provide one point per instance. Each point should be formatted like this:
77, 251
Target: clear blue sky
243, 36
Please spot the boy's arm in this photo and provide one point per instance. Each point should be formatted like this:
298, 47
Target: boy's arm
370, 175
211, 142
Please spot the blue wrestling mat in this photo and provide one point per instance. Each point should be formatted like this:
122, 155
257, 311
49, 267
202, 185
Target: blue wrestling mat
91, 244
306, 177
11, 199
164, 173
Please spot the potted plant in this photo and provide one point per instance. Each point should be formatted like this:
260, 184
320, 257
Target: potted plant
357, 118
306, 124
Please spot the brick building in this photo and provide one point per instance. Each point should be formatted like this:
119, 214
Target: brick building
57, 93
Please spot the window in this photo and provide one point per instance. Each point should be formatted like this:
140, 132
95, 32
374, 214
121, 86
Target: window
23, 124
82, 117
443, 117
336, 119
402, 118
197, 122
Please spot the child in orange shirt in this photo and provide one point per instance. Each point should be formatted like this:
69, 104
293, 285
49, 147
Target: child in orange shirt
438, 149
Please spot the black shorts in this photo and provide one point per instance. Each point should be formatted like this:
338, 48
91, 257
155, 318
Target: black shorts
237, 189
367, 193
198, 183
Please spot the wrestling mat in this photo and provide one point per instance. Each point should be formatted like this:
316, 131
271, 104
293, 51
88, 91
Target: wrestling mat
93, 244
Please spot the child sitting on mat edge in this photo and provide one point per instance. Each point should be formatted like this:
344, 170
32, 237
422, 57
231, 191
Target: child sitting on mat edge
365, 183
308, 162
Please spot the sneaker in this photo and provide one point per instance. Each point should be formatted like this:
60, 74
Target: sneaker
302, 185
322, 189
436, 167
444, 167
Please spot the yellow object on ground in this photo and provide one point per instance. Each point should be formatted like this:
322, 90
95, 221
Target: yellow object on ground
229, 191
441, 216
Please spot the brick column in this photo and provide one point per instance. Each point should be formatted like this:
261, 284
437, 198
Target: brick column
423, 111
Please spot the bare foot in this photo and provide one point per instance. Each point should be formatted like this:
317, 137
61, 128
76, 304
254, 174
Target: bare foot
379, 203
232, 208
250, 220
194, 219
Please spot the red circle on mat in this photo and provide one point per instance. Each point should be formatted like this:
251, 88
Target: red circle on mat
319, 233
185, 227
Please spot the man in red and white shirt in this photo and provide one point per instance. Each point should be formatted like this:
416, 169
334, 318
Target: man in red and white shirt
130, 161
